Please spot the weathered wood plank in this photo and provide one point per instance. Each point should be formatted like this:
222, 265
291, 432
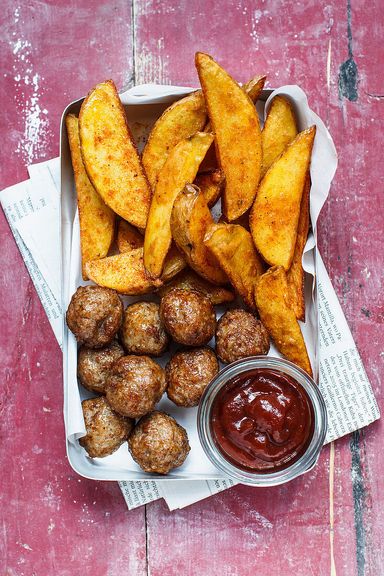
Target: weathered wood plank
53, 522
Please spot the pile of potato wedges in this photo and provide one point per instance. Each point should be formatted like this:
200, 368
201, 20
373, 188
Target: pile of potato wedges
206, 149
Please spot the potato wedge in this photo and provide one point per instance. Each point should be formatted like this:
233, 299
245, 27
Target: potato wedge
97, 220
275, 213
110, 155
173, 264
211, 185
181, 167
295, 275
126, 274
189, 222
234, 249
232, 115
271, 295
254, 87
128, 237
189, 280
279, 130
181, 120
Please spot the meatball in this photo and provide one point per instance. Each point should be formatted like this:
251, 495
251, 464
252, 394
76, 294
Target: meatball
94, 366
142, 331
239, 334
188, 316
158, 443
188, 373
135, 385
94, 315
106, 430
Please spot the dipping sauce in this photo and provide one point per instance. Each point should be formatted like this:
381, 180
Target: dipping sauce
262, 420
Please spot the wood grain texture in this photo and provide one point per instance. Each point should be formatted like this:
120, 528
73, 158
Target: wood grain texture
53, 522
328, 522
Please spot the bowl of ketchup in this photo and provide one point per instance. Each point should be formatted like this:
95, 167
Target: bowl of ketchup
262, 421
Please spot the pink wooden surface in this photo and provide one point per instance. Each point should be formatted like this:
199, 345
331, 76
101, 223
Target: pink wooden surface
329, 522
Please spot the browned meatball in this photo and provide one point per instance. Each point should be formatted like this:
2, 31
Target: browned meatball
135, 385
158, 443
142, 331
94, 315
188, 316
239, 335
94, 366
106, 430
188, 373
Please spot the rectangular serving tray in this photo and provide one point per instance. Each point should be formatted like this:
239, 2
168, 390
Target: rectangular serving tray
143, 105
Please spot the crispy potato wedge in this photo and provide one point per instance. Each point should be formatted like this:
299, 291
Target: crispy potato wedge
189, 222
110, 155
128, 237
254, 87
173, 264
97, 220
126, 274
275, 213
181, 167
295, 275
232, 115
234, 249
211, 185
271, 295
279, 130
181, 120
189, 280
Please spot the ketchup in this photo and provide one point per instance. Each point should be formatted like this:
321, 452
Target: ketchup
262, 420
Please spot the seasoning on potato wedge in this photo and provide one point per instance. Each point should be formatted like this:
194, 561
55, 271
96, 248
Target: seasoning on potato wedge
189, 280
189, 222
110, 155
279, 130
181, 167
295, 275
211, 185
237, 135
126, 274
97, 221
234, 249
275, 213
128, 237
181, 120
272, 300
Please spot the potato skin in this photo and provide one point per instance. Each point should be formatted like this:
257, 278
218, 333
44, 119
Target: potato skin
239, 335
135, 385
188, 373
158, 443
94, 366
142, 331
188, 316
94, 315
106, 430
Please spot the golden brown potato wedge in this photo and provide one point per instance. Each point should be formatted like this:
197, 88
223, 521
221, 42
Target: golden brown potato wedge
189, 280
275, 213
271, 295
234, 249
295, 275
97, 220
173, 264
110, 155
181, 167
233, 116
181, 120
211, 185
254, 87
189, 222
279, 130
126, 274
128, 237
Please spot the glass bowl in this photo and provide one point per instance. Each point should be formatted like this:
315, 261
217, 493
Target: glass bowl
268, 478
